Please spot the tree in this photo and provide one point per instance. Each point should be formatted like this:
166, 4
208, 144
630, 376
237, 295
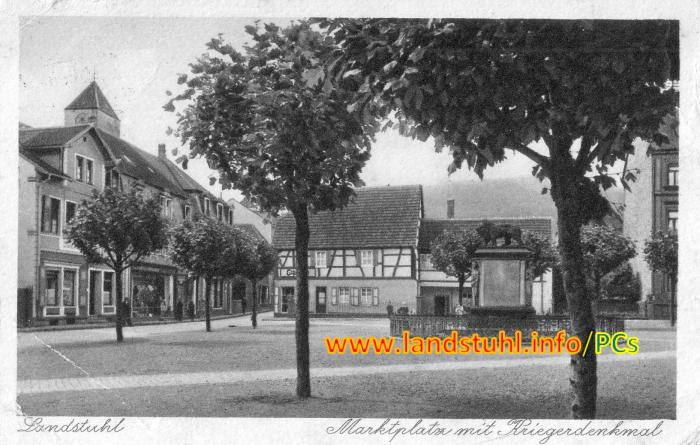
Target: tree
661, 254
544, 255
258, 260
207, 248
604, 250
569, 95
118, 228
270, 122
453, 254
621, 284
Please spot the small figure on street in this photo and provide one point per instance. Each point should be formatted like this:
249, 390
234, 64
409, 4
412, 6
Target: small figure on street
178, 310
459, 310
126, 313
190, 310
163, 308
390, 309
243, 304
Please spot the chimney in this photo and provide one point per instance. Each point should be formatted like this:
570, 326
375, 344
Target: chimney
450, 209
161, 151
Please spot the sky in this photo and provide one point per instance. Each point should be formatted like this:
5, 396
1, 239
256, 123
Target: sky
135, 60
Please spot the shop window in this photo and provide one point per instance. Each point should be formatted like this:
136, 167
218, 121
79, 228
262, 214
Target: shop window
52, 287
50, 211
69, 287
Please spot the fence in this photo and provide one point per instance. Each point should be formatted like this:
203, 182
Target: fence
487, 325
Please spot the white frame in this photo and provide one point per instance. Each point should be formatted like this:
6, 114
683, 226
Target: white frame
672, 168
92, 175
59, 297
340, 295
65, 244
669, 219
369, 298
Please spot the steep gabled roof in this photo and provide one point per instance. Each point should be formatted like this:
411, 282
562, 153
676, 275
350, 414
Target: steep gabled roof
92, 98
376, 217
137, 163
432, 228
49, 137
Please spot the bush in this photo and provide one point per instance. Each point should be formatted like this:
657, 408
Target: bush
621, 284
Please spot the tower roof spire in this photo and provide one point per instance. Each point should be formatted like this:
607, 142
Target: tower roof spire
93, 98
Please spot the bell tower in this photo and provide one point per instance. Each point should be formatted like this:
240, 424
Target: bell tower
91, 107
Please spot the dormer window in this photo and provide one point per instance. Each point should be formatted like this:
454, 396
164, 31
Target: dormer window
83, 169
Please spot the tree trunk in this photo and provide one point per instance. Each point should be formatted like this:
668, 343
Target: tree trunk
119, 299
673, 300
460, 283
207, 304
583, 379
254, 315
301, 217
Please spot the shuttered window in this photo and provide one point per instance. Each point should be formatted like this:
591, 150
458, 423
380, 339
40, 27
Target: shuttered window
366, 296
344, 293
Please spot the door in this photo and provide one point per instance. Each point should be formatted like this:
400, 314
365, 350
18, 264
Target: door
320, 300
95, 290
440, 305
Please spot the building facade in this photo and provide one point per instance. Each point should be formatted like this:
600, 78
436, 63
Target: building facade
376, 252
651, 206
62, 166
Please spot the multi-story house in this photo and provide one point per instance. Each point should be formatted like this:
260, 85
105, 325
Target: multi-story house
60, 167
652, 206
375, 252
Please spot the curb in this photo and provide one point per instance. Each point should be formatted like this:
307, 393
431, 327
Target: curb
145, 323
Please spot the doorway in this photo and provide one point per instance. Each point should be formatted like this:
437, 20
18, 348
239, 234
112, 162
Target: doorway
440, 305
320, 300
95, 287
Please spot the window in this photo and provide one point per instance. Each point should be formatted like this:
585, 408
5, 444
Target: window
188, 213
166, 208
344, 293
355, 298
426, 262
69, 287
112, 178
220, 212
672, 220
450, 208
367, 258
50, 211
107, 286
321, 259
673, 176
366, 296
83, 169
70, 213
230, 216
52, 287
287, 298
206, 206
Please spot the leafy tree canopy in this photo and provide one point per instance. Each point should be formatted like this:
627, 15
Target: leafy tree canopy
484, 88
205, 247
269, 122
604, 249
118, 228
661, 253
453, 251
544, 257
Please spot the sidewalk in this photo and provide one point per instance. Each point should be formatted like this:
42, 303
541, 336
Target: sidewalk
135, 321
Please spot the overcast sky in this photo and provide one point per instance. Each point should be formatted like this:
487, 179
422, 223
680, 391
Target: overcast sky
135, 60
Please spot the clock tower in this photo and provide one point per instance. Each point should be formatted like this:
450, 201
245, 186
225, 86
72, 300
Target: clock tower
91, 107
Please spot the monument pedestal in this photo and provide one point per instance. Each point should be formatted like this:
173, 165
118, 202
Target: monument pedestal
503, 280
